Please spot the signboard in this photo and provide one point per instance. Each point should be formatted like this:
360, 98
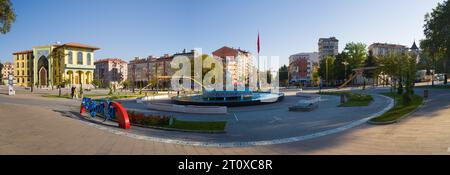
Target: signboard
11, 90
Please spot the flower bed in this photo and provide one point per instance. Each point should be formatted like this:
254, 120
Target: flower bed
164, 122
148, 120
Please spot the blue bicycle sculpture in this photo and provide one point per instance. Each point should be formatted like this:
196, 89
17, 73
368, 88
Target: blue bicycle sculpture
102, 108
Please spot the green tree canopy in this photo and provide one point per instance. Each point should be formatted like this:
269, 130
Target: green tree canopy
7, 16
326, 69
437, 33
284, 75
356, 54
371, 61
340, 68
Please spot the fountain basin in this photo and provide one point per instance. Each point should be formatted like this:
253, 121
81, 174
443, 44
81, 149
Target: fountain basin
229, 98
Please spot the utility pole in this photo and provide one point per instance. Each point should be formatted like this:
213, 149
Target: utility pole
133, 76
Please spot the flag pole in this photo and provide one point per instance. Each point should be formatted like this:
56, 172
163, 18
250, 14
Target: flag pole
258, 81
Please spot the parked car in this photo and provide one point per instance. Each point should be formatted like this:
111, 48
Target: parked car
439, 77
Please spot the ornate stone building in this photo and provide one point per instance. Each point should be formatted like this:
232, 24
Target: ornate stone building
56, 64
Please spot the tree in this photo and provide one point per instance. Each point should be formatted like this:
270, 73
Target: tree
402, 70
326, 69
409, 74
370, 62
389, 66
284, 75
356, 54
315, 77
437, 33
1, 73
7, 16
125, 84
340, 70
97, 83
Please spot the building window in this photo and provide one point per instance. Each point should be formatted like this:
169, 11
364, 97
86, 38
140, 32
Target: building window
23, 72
80, 58
17, 65
23, 64
70, 59
89, 59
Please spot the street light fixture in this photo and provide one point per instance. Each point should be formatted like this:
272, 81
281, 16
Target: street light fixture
345, 63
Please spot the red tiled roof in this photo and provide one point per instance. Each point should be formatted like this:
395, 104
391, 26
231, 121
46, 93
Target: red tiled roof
226, 51
22, 52
110, 60
79, 45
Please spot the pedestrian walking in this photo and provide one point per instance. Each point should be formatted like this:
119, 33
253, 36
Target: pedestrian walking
72, 92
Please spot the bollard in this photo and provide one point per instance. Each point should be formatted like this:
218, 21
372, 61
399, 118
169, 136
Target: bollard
342, 98
171, 121
425, 93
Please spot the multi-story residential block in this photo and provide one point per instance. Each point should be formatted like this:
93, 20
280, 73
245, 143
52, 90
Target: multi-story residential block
139, 70
382, 49
328, 47
111, 71
301, 67
155, 71
8, 68
23, 71
52, 65
240, 63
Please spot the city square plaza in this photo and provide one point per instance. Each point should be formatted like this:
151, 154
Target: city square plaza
256, 129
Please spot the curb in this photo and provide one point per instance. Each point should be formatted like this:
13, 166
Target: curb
399, 119
179, 130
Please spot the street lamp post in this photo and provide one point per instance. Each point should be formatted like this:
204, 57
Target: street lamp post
345, 69
326, 69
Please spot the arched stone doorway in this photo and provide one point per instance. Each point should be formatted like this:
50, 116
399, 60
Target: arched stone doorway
43, 71
43, 76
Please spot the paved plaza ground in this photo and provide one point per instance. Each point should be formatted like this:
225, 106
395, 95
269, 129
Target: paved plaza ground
32, 124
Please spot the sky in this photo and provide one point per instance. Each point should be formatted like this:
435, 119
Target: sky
129, 28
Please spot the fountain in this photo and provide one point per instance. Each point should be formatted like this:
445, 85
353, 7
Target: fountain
229, 98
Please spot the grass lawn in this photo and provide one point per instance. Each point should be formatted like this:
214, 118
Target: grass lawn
199, 126
399, 109
353, 99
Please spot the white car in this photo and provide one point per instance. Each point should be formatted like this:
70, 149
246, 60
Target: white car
439, 77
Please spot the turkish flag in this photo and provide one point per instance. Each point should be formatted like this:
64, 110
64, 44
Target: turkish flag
258, 43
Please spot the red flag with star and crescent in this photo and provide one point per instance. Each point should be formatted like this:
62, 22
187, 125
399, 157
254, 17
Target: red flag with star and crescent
259, 45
